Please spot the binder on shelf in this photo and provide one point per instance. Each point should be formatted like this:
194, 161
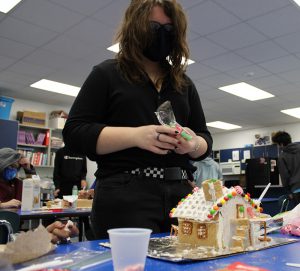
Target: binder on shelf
47, 138
21, 137
40, 139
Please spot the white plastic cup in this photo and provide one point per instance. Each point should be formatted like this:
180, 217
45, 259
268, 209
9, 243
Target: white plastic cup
129, 247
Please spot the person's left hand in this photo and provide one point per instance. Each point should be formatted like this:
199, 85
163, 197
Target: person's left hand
59, 233
185, 146
83, 184
24, 162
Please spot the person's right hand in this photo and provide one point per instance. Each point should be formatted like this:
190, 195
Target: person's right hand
59, 233
56, 193
159, 139
13, 203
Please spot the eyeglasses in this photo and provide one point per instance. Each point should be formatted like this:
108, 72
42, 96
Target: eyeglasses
155, 26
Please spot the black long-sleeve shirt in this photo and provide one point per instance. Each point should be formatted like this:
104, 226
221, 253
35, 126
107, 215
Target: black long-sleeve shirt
69, 168
107, 99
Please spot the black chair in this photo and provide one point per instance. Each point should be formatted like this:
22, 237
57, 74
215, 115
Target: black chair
9, 223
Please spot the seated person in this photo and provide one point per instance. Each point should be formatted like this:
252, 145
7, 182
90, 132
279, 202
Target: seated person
11, 189
59, 234
10, 185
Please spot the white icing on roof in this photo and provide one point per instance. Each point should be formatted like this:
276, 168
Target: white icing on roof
197, 208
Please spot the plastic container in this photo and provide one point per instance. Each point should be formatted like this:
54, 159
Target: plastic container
5, 107
129, 248
75, 190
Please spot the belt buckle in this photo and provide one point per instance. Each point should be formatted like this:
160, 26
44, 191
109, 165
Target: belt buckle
172, 173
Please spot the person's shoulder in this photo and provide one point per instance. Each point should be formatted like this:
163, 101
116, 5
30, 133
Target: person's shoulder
108, 64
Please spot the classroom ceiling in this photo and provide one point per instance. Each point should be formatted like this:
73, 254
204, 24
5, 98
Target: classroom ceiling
254, 41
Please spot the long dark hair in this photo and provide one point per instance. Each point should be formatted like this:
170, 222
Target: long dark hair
133, 38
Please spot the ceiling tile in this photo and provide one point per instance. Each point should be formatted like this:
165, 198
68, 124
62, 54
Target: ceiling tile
62, 45
86, 7
47, 15
48, 59
245, 9
281, 64
112, 14
92, 32
275, 24
290, 42
202, 48
26, 68
226, 62
262, 52
198, 71
27, 33
5, 62
208, 18
237, 36
14, 49
248, 73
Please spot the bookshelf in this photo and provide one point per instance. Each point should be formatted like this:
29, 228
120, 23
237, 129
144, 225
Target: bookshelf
35, 142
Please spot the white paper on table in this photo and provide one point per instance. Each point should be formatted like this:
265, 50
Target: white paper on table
28, 245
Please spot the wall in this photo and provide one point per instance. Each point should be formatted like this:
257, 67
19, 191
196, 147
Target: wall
233, 139
239, 139
25, 105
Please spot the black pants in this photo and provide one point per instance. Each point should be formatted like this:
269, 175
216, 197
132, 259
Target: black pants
125, 200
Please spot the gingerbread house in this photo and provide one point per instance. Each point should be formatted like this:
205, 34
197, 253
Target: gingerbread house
218, 217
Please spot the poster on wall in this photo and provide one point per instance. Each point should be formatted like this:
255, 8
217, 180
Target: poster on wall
262, 140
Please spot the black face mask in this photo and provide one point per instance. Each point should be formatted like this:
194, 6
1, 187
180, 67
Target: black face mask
162, 42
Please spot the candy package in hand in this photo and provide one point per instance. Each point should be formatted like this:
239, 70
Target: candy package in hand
165, 116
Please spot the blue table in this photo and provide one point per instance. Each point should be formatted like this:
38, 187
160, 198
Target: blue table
46, 214
271, 259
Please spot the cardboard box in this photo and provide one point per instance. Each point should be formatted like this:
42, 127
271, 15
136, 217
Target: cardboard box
84, 203
32, 118
57, 123
31, 195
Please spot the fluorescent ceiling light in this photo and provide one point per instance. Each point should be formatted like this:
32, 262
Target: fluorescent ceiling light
7, 5
116, 48
247, 91
297, 2
294, 112
223, 125
56, 87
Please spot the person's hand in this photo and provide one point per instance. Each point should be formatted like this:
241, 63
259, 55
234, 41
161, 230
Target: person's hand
56, 193
24, 162
86, 194
187, 146
83, 184
13, 203
83, 194
91, 193
159, 139
59, 233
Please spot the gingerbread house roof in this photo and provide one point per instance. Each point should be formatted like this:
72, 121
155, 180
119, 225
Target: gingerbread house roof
195, 207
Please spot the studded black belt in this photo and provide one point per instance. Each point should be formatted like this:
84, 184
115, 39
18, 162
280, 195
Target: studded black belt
168, 174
